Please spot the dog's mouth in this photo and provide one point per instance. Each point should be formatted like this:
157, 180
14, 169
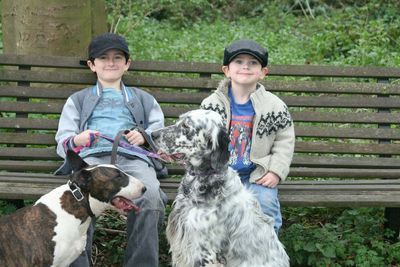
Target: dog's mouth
176, 157
124, 205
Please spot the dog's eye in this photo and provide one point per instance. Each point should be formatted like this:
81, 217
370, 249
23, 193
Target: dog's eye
184, 125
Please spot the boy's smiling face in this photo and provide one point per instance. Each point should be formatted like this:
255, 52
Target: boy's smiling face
110, 66
245, 70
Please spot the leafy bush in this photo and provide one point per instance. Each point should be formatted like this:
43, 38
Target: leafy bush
355, 238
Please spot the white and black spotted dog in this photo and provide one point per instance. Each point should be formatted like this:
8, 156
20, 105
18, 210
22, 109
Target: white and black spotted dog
53, 231
215, 221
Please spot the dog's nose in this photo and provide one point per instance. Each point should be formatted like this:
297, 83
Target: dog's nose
155, 135
144, 189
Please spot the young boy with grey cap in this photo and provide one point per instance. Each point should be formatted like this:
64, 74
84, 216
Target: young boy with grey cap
260, 126
107, 108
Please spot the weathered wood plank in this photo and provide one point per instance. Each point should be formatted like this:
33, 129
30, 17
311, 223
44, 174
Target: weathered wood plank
341, 163
29, 123
310, 194
152, 83
340, 102
345, 117
310, 172
352, 133
86, 78
301, 131
346, 88
37, 92
27, 139
347, 148
335, 161
331, 102
23, 153
301, 147
302, 116
160, 66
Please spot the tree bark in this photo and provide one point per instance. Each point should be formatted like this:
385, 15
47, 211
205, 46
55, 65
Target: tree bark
51, 27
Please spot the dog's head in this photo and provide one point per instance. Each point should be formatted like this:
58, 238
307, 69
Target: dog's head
198, 138
106, 185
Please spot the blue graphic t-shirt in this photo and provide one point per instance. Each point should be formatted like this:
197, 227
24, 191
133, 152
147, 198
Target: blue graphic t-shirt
240, 134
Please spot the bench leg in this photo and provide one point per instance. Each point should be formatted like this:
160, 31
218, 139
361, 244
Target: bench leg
392, 216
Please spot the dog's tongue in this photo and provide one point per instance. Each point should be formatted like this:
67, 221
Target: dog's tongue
170, 157
124, 204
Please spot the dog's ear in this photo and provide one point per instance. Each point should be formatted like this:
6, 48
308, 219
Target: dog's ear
75, 161
220, 155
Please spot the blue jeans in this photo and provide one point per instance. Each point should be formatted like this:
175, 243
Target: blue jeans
143, 227
269, 202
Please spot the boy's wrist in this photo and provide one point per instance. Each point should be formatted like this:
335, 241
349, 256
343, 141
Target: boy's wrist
71, 143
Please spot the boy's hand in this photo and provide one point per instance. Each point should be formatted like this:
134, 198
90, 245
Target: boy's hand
270, 180
83, 139
135, 138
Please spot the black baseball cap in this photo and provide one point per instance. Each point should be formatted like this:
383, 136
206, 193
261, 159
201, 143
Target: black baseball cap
245, 47
107, 41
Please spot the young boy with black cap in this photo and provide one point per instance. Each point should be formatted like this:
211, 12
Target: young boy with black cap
107, 108
260, 126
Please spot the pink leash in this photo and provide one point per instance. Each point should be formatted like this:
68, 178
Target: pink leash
123, 144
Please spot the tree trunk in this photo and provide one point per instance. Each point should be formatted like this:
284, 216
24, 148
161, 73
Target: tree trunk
51, 27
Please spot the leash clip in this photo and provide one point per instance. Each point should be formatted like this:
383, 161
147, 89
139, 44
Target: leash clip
76, 191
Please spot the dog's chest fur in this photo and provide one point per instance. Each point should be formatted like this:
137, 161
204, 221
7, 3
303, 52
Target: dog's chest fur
70, 231
51, 244
198, 207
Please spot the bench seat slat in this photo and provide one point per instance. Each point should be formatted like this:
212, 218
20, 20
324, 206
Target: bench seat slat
302, 172
346, 163
309, 195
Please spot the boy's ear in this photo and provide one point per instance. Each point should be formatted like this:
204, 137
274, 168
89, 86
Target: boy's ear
265, 71
128, 64
225, 70
91, 65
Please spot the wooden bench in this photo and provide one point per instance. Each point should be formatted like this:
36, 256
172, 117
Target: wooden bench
347, 122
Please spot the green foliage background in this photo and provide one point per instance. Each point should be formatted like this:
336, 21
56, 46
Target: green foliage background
319, 32
329, 32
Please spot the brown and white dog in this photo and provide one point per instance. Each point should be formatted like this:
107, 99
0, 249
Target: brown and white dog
52, 232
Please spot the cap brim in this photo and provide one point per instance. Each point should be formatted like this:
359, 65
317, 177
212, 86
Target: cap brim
247, 53
105, 49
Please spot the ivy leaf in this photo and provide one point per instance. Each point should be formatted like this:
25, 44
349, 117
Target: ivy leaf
327, 251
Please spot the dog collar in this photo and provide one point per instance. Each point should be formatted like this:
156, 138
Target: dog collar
77, 193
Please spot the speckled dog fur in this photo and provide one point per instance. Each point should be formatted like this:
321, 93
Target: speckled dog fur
215, 221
